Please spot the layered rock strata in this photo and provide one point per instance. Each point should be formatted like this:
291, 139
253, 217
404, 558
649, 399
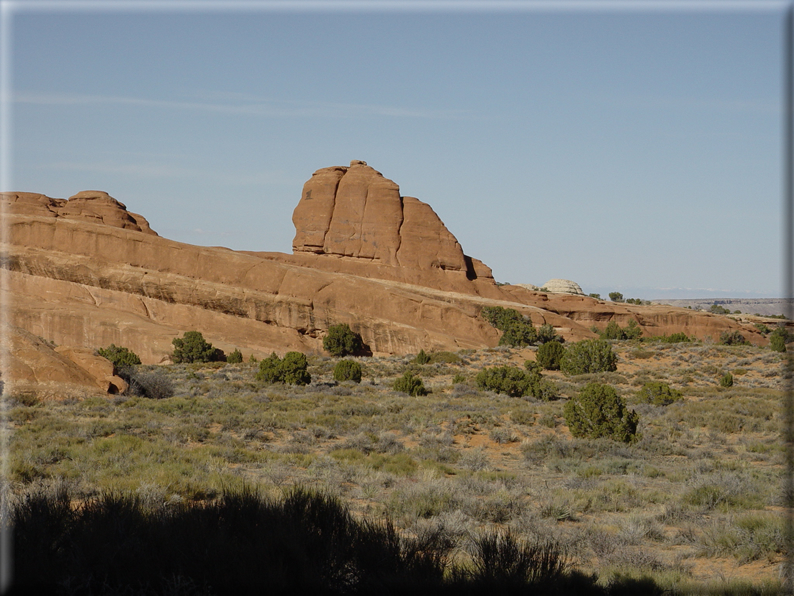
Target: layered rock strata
92, 206
85, 273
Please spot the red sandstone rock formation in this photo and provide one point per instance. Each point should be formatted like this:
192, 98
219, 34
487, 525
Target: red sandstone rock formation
93, 206
85, 273
357, 213
34, 366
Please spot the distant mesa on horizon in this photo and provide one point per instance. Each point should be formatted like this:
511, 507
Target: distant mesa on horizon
765, 307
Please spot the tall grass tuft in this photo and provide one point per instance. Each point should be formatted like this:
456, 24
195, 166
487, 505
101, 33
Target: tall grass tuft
501, 560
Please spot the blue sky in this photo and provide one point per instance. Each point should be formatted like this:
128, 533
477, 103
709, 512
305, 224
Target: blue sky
623, 148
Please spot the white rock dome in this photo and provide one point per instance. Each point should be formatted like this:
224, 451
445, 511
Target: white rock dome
563, 286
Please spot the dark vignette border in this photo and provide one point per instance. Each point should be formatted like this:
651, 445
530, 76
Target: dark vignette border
6, 90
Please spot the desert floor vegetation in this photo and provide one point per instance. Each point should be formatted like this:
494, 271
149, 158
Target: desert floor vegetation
693, 504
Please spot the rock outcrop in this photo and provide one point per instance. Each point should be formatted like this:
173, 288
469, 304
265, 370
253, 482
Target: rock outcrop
555, 286
35, 366
563, 286
354, 212
92, 206
85, 273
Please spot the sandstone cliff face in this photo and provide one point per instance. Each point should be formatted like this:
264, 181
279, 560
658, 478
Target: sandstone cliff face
85, 273
68, 284
355, 212
33, 365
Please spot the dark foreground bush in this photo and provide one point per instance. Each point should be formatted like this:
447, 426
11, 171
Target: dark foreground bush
243, 543
306, 543
502, 560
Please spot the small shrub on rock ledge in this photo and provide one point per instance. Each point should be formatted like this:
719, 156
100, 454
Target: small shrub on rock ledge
119, 356
675, 338
444, 358
342, 341
517, 330
615, 331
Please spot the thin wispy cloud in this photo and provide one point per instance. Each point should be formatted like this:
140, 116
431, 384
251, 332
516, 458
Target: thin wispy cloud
242, 106
164, 170
126, 169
